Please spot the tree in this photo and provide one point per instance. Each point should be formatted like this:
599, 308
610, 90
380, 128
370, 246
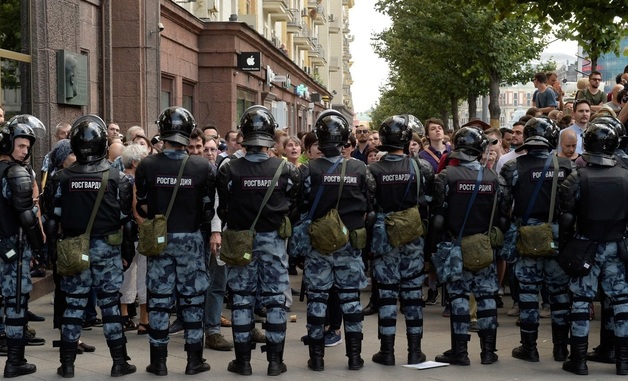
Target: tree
597, 25
455, 51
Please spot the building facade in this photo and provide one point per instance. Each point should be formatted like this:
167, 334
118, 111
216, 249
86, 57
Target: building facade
127, 60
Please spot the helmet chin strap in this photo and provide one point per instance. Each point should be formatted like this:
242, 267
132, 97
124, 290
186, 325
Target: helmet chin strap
330, 151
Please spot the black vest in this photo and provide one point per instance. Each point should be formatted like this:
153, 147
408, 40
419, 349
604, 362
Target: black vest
461, 181
352, 206
160, 176
392, 178
249, 183
603, 208
9, 225
529, 169
78, 197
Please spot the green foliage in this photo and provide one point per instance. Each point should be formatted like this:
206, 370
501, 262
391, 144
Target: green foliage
10, 26
441, 50
597, 25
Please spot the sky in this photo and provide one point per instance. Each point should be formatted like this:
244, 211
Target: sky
369, 72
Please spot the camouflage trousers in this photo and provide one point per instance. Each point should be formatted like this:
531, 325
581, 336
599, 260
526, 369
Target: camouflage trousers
266, 278
483, 285
343, 269
180, 271
15, 322
105, 276
399, 275
611, 272
532, 273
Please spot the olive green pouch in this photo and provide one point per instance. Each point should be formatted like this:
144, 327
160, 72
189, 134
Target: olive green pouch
285, 229
329, 233
497, 237
477, 252
153, 236
73, 255
114, 239
536, 240
358, 238
237, 247
404, 226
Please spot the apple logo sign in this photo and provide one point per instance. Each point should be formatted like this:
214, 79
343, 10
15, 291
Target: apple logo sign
250, 61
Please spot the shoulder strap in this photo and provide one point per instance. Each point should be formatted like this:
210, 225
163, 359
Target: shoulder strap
478, 181
176, 186
101, 193
414, 169
524, 220
432, 155
554, 186
490, 224
342, 180
269, 191
320, 191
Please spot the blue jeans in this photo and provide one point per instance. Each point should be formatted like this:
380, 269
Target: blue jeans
215, 295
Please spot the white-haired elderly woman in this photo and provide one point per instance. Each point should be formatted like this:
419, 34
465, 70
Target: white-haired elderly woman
135, 274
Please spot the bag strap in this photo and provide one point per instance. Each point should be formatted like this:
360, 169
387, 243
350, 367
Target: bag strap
101, 194
490, 224
436, 158
413, 168
342, 181
524, 220
320, 191
269, 191
471, 201
176, 187
554, 186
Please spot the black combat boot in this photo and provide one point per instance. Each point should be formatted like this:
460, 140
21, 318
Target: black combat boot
605, 352
158, 356
274, 355
577, 363
560, 335
242, 363
67, 356
488, 342
317, 352
458, 355
120, 357
527, 350
415, 356
621, 355
386, 354
196, 363
16, 364
353, 345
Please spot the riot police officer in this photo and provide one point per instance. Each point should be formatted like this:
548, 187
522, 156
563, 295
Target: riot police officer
20, 234
181, 269
584, 198
605, 352
453, 191
242, 185
342, 268
399, 272
531, 207
79, 185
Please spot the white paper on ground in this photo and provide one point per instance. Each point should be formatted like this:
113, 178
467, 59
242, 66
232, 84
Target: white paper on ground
426, 365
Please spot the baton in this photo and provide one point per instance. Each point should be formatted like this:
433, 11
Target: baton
18, 285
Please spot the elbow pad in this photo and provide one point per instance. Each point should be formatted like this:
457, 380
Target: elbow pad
30, 224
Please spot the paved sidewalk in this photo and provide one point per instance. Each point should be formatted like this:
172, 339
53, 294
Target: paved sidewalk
97, 365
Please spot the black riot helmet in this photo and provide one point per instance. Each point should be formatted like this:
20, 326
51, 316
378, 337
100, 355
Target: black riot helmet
258, 125
88, 139
175, 125
395, 133
615, 123
20, 126
332, 129
415, 125
469, 143
540, 132
600, 138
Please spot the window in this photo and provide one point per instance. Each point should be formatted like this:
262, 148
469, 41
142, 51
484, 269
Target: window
15, 59
188, 97
245, 100
166, 97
